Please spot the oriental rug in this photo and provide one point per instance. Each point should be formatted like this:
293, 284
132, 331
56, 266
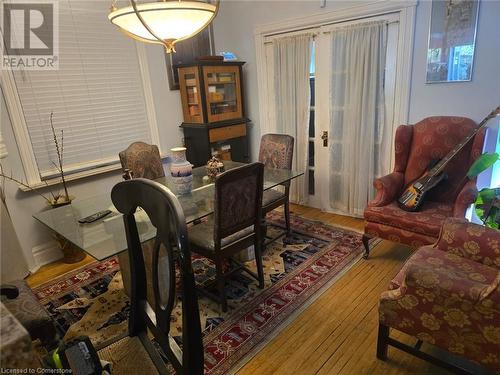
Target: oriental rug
298, 267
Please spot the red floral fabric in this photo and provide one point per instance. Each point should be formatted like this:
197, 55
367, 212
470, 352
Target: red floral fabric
465, 198
388, 187
397, 235
427, 221
415, 147
448, 294
433, 138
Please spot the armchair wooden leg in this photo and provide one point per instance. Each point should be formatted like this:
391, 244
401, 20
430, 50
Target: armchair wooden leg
366, 240
287, 216
221, 281
382, 341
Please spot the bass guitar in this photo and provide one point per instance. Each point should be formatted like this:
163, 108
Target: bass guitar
414, 194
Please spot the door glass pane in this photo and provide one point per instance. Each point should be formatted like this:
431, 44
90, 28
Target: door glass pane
311, 153
192, 95
311, 182
221, 94
311, 124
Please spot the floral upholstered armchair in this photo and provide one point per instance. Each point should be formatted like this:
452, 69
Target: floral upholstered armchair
448, 295
416, 147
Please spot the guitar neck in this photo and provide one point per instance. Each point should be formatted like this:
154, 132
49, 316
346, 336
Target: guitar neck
438, 168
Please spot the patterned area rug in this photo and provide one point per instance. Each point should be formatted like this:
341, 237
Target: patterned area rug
298, 267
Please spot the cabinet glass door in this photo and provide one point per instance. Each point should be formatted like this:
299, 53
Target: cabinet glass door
190, 92
223, 92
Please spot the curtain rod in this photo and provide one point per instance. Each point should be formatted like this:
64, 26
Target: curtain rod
326, 24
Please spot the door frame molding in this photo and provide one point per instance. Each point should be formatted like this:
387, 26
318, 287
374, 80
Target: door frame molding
406, 12
407, 15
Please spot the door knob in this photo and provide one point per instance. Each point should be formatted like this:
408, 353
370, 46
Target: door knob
324, 137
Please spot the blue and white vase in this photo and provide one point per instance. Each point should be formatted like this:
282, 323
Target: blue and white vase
181, 171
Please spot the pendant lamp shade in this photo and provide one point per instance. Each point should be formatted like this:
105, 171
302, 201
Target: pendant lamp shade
163, 22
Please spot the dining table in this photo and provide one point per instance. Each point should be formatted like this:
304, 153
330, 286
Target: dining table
105, 238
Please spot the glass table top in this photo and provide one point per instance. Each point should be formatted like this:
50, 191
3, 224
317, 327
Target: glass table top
106, 237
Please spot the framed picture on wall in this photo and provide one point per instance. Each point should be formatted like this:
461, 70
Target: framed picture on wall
186, 52
452, 40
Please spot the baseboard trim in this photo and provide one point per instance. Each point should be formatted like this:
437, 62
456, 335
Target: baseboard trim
46, 253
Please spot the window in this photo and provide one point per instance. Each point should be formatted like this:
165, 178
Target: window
97, 96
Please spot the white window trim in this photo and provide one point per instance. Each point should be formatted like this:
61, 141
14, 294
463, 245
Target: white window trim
21, 134
407, 15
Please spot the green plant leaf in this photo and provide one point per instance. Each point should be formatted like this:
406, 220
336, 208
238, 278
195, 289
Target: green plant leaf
481, 164
486, 206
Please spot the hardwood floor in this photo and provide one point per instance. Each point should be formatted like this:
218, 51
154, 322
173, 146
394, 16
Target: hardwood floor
337, 333
53, 270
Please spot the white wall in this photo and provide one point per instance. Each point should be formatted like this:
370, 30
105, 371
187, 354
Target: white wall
22, 205
237, 20
473, 99
234, 31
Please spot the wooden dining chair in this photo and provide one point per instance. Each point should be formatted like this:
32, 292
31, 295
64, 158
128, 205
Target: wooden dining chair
234, 226
276, 152
166, 215
143, 160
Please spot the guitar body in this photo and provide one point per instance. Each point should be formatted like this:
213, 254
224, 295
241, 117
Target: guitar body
414, 194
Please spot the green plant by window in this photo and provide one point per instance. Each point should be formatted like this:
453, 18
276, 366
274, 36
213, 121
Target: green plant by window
487, 205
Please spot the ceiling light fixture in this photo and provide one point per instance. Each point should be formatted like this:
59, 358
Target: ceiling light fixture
163, 22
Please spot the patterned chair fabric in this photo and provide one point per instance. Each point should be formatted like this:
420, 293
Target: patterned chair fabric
142, 160
416, 146
448, 294
16, 350
30, 313
235, 224
276, 152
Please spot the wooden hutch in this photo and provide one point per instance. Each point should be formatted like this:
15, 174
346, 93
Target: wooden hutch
212, 104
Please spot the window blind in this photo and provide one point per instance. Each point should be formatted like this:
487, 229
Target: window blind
96, 95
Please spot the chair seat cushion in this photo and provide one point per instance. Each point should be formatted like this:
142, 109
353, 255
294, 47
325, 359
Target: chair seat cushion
427, 221
202, 235
271, 195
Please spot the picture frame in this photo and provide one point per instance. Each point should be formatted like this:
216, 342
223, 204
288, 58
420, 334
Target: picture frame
452, 40
187, 52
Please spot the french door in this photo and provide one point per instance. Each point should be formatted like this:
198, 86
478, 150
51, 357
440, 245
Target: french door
321, 143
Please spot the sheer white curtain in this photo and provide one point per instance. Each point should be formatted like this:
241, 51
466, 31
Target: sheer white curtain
292, 59
357, 119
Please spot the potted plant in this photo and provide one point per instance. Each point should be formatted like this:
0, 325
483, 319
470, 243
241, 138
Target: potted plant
487, 205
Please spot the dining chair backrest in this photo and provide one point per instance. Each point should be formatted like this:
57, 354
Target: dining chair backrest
143, 160
238, 199
166, 215
276, 151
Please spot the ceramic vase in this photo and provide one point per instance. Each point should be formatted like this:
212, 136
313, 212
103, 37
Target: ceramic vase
181, 171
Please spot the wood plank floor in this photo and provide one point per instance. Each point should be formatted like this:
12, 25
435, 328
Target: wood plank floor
337, 333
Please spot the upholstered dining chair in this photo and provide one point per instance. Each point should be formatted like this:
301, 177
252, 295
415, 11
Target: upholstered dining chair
143, 160
416, 146
234, 226
167, 216
276, 152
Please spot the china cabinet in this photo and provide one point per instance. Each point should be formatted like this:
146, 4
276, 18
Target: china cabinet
212, 105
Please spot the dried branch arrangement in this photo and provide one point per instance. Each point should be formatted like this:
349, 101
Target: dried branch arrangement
55, 199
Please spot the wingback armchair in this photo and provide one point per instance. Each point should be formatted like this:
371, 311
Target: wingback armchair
448, 295
416, 147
